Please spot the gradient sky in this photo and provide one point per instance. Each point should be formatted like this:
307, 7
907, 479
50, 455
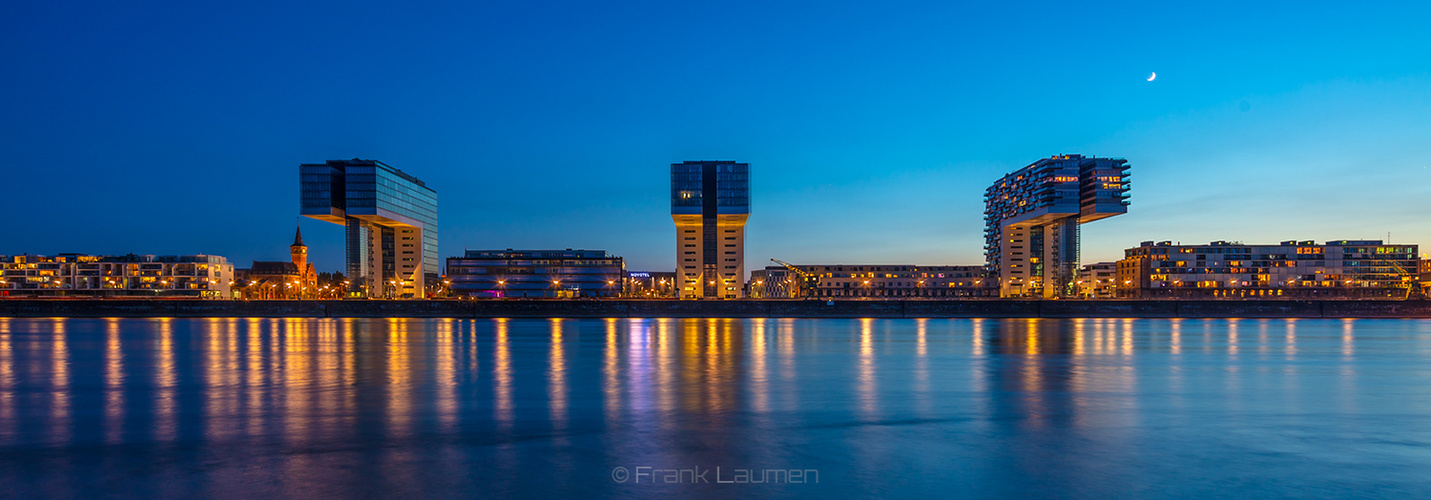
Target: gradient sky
871, 128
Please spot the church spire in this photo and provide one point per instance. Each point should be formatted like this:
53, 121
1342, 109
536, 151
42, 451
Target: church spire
298, 238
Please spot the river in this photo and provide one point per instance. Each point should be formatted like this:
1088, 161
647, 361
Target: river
637, 408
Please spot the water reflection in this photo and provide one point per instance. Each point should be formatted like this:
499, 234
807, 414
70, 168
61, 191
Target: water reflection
114, 381
408, 407
502, 375
60, 380
865, 387
7, 383
556, 378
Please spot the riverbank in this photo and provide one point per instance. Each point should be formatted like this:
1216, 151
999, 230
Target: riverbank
41, 308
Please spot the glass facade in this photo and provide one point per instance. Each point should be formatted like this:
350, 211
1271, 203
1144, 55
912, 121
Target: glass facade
391, 220
710, 201
536, 274
1032, 218
693, 182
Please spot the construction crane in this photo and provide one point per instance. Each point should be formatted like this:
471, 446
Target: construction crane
1408, 279
808, 281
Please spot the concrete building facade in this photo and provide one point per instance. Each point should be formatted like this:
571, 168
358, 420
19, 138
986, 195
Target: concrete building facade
391, 223
536, 274
710, 203
1302, 269
1032, 219
199, 276
1098, 281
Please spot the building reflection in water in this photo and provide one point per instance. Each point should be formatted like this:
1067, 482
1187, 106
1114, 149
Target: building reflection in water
114, 382
922, 397
1348, 336
502, 375
865, 385
1232, 337
446, 376
60, 424
7, 383
375, 398
759, 368
166, 384
1291, 342
611, 369
789, 385
556, 378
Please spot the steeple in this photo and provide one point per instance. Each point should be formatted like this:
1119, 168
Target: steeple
299, 251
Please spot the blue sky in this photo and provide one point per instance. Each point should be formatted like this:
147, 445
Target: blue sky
871, 129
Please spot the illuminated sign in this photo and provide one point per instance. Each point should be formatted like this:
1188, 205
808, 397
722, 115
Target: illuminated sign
639, 275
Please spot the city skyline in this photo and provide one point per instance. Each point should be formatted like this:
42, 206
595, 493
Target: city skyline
870, 143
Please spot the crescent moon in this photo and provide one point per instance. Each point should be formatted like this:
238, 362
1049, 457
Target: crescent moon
1153, 76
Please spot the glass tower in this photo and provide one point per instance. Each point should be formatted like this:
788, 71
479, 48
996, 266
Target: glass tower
391, 222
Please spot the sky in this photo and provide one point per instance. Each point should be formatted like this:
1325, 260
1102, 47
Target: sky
871, 128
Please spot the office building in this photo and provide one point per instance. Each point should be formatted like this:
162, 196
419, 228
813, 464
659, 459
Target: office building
1032, 219
1098, 281
536, 274
874, 281
391, 223
1302, 269
69, 274
710, 202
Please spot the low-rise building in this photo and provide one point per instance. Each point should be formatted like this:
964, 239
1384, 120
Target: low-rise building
80, 275
1302, 269
292, 279
1425, 274
1098, 281
878, 281
650, 285
536, 274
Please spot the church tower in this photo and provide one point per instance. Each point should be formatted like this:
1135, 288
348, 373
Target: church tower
299, 251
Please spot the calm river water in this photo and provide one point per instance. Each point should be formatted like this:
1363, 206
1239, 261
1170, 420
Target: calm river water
346, 408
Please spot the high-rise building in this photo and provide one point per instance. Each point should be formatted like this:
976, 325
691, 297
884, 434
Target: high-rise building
391, 221
1032, 219
710, 202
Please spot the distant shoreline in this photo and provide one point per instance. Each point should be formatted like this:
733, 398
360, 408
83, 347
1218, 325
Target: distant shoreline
749, 308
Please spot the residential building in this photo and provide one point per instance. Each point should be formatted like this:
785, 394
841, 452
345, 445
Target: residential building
1303, 269
391, 223
1032, 219
536, 274
877, 281
1098, 281
710, 203
1425, 273
650, 284
71, 274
